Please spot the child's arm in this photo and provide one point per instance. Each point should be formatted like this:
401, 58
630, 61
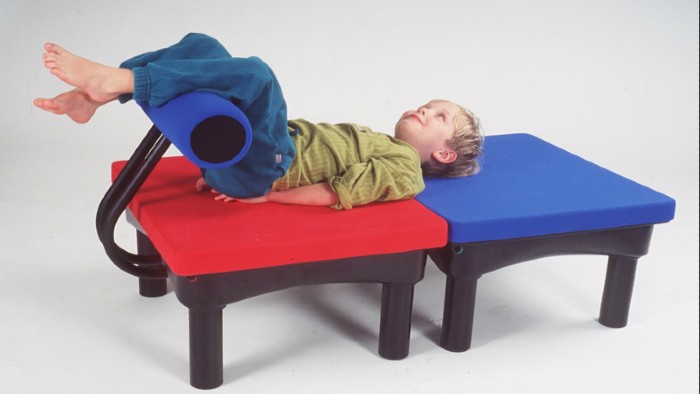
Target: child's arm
319, 194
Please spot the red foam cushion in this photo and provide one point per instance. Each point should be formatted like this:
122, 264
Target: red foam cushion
197, 235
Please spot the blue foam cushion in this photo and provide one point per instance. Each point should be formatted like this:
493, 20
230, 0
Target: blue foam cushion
209, 130
528, 187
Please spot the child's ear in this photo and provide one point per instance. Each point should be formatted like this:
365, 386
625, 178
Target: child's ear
445, 156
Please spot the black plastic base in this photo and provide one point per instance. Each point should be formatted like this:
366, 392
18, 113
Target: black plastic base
465, 263
207, 295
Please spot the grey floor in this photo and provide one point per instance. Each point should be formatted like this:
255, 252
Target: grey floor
615, 82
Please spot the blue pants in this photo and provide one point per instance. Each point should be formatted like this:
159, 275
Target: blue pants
199, 62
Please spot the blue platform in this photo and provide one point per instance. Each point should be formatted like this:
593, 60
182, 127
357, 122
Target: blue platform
529, 187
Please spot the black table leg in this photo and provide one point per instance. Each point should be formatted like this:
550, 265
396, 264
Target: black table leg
395, 324
458, 315
206, 348
617, 293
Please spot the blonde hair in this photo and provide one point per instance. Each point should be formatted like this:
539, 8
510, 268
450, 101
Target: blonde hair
467, 142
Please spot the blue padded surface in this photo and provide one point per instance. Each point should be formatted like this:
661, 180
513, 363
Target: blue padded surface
529, 187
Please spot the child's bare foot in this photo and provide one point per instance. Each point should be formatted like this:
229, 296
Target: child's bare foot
101, 83
75, 103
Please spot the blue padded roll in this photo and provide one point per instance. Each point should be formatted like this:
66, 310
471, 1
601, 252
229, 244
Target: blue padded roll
208, 129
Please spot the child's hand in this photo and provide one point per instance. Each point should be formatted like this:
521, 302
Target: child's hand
223, 197
201, 185
253, 200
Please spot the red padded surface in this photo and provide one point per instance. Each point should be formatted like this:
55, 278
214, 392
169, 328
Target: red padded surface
197, 235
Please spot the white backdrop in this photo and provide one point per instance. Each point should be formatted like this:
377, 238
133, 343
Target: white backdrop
613, 81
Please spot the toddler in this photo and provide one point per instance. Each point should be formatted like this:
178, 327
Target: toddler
289, 161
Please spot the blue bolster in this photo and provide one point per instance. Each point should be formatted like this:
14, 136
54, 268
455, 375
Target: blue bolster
209, 130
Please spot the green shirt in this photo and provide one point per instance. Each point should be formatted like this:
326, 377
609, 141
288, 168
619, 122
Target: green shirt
360, 165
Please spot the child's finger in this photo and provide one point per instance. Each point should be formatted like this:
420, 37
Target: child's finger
201, 185
224, 198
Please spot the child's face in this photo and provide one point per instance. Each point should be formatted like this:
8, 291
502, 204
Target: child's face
428, 128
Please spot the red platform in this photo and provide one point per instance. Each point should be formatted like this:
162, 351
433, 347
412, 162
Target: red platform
197, 235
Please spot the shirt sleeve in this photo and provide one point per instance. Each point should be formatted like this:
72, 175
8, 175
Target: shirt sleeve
377, 179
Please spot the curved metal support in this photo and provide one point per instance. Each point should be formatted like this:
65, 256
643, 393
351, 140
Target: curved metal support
117, 198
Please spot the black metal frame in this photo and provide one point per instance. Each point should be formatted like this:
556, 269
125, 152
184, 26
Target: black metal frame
117, 198
207, 295
464, 263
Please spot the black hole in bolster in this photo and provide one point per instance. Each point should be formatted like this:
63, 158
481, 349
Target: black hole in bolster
218, 139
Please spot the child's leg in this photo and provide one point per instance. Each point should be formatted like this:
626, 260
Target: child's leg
197, 62
192, 46
74, 103
244, 80
98, 84
95, 84
102, 83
